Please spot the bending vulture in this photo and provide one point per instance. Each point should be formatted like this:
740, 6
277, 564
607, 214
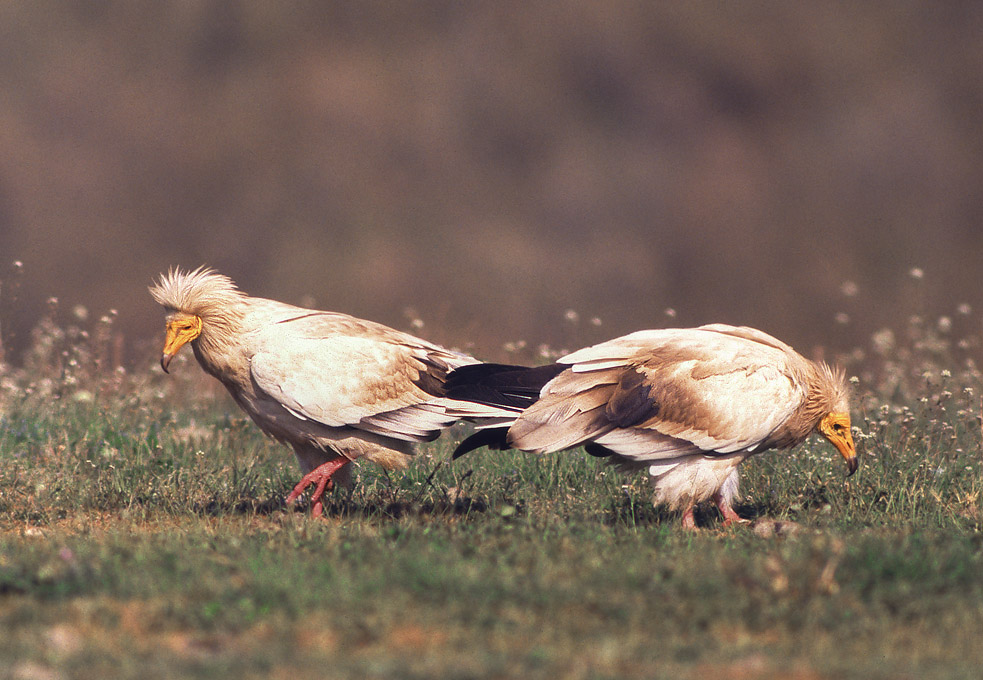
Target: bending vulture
333, 387
687, 404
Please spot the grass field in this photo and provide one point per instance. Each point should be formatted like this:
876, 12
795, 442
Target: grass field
143, 534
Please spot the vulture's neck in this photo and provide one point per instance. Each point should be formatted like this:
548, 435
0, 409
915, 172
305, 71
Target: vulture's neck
819, 402
219, 349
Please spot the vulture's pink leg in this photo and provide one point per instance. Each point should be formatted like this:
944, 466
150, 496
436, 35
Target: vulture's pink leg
689, 521
730, 515
321, 475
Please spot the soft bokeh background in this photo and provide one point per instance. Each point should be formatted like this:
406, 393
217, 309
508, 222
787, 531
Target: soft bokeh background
488, 166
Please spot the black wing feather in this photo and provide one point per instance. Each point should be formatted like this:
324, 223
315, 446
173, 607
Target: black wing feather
598, 451
493, 438
515, 387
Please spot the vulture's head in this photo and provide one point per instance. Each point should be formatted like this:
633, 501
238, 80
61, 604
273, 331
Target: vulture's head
193, 300
835, 423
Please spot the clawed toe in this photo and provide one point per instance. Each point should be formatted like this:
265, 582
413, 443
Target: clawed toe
731, 521
321, 476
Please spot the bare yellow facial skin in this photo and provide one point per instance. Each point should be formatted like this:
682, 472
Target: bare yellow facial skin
181, 329
836, 428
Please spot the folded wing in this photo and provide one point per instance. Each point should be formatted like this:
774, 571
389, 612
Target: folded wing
340, 371
661, 394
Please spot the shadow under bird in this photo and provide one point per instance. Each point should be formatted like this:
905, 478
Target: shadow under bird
687, 404
333, 387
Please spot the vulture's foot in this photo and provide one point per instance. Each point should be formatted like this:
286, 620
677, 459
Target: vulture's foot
730, 515
321, 475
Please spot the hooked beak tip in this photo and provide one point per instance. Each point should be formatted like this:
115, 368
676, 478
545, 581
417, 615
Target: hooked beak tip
165, 361
852, 464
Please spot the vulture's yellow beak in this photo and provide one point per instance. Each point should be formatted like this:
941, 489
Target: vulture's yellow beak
836, 428
181, 329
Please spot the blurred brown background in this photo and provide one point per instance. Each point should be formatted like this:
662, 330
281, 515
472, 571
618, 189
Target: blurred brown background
491, 165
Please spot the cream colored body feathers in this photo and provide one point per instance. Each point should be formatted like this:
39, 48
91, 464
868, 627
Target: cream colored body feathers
325, 383
689, 405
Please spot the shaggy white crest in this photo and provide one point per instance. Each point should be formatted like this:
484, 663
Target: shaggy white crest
839, 388
202, 292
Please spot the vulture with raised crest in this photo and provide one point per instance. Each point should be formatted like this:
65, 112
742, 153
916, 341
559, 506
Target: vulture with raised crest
333, 387
687, 404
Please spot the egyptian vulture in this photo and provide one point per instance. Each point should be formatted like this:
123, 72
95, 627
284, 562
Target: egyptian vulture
687, 404
333, 387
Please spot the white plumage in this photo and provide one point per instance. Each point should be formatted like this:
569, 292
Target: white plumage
689, 405
333, 387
